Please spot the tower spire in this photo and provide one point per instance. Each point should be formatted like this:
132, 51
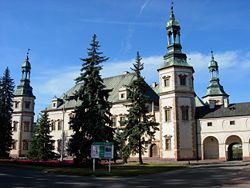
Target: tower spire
174, 55
215, 91
172, 10
24, 87
213, 67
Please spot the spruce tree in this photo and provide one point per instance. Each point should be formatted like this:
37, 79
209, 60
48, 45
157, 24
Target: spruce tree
91, 122
6, 100
42, 143
139, 125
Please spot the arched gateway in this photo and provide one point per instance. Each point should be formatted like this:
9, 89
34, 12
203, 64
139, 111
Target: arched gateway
211, 148
234, 148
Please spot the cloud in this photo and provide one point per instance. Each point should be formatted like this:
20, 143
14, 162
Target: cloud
232, 65
143, 7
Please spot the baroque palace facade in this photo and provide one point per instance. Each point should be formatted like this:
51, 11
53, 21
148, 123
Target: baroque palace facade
189, 128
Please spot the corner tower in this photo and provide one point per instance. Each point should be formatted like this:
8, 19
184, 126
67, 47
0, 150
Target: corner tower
177, 104
215, 94
23, 113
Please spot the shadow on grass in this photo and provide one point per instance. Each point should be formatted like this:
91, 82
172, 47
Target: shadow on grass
101, 170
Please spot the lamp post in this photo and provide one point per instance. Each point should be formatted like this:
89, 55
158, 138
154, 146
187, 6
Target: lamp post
62, 143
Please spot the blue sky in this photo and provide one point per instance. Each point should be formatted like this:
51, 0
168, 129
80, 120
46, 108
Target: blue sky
59, 31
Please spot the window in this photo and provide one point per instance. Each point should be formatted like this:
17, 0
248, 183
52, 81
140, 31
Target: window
26, 126
209, 124
54, 104
122, 119
184, 112
53, 127
25, 145
59, 125
232, 122
14, 143
166, 81
16, 104
168, 114
113, 119
27, 104
15, 124
70, 127
183, 79
53, 143
122, 95
168, 144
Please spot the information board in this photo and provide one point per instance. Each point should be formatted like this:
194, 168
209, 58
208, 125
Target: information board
102, 150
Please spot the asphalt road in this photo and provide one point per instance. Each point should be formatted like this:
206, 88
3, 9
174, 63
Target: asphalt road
198, 176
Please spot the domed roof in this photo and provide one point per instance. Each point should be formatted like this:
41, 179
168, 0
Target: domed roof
26, 63
213, 63
173, 22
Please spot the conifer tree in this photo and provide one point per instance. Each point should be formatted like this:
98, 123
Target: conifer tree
91, 122
42, 143
6, 99
139, 125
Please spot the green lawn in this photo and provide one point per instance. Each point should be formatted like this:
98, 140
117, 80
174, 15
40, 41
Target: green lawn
116, 170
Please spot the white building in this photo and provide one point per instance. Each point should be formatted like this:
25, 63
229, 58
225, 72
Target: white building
189, 128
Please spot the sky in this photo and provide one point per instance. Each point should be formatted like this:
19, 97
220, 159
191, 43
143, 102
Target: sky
59, 32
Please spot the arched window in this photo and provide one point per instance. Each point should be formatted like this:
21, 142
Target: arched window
166, 81
183, 79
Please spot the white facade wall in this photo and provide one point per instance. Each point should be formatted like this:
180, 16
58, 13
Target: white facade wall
222, 130
22, 120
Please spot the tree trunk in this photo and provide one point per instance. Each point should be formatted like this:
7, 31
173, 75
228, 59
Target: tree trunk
140, 152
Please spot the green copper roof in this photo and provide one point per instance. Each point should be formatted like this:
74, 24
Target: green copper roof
115, 83
172, 21
26, 64
174, 56
213, 65
24, 88
175, 62
198, 101
215, 89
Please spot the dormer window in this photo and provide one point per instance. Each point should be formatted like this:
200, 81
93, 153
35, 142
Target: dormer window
56, 102
166, 81
183, 79
123, 93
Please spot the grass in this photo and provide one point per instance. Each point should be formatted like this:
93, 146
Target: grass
116, 170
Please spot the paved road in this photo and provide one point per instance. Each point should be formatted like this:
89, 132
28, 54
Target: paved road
198, 176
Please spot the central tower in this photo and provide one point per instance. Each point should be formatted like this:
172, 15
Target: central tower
23, 113
177, 102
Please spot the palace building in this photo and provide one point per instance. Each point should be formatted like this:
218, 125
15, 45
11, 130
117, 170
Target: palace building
190, 128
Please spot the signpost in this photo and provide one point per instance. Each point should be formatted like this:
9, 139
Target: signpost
102, 150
